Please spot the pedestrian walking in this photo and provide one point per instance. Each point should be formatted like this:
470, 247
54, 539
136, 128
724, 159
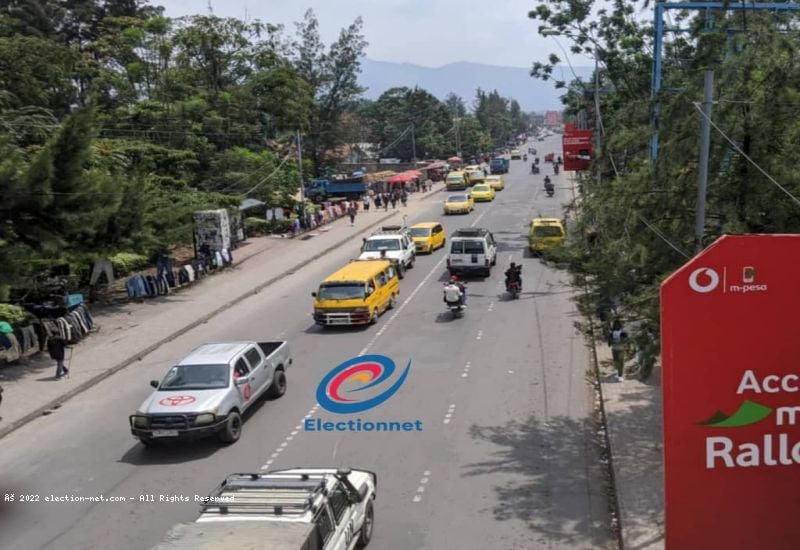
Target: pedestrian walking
56, 347
377, 201
394, 200
617, 340
404, 198
351, 211
386, 202
366, 203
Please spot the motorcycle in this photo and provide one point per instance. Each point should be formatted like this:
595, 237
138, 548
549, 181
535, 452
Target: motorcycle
525, 158
513, 289
534, 169
555, 169
549, 189
456, 307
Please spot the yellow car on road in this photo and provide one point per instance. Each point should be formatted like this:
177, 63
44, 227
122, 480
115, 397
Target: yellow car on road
427, 236
475, 177
546, 233
483, 193
496, 182
459, 204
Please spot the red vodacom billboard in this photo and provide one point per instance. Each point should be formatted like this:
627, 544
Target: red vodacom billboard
730, 333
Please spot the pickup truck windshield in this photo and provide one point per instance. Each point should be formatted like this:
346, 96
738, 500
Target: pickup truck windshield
420, 232
341, 291
375, 245
196, 377
547, 231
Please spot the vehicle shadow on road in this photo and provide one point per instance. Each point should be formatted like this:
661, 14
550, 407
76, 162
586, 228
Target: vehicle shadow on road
185, 451
557, 471
336, 329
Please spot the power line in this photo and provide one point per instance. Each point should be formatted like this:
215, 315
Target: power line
664, 238
745, 155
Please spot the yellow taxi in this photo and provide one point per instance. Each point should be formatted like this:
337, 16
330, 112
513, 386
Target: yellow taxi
483, 193
496, 182
546, 233
357, 293
427, 236
456, 181
476, 176
516, 154
461, 203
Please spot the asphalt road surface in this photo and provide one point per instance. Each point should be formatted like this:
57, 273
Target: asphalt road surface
505, 459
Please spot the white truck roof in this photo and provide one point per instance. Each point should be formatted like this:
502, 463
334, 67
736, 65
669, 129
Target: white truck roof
219, 353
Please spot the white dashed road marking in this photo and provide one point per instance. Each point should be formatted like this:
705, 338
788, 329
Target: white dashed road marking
480, 335
466, 369
426, 476
450, 411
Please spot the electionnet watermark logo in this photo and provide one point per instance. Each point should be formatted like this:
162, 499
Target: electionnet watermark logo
357, 385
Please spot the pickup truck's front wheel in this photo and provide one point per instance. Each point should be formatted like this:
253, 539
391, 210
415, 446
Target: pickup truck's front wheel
232, 430
278, 387
366, 528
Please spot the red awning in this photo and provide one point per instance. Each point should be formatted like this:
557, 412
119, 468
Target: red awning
403, 177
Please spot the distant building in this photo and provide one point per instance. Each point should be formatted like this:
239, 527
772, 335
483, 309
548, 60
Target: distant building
552, 119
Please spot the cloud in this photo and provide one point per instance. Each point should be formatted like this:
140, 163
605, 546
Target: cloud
430, 33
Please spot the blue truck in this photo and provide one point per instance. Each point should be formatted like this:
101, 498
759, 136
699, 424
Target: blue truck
499, 165
347, 187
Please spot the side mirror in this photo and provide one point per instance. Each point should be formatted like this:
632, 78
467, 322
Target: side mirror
314, 294
154, 383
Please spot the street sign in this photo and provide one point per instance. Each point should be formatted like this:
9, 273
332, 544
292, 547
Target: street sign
731, 391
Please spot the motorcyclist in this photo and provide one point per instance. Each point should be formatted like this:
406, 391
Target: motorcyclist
455, 288
525, 157
547, 182
513, 274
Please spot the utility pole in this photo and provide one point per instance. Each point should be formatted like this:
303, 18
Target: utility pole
300, 173
413, 145
458, 137
705, 146
597, 125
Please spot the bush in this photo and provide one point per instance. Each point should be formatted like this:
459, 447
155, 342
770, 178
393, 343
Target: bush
128, 262
256, 226
13, 315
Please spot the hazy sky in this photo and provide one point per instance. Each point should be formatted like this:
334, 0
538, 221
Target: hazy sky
424, 32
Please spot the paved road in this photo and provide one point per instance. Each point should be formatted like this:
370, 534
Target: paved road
505, 459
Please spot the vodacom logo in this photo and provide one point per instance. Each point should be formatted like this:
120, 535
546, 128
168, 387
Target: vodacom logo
710, 280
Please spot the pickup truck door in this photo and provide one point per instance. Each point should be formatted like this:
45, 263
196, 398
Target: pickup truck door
244, 381
260, 378
344, 514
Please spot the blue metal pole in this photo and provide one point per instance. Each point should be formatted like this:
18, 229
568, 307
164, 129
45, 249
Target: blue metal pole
656, 86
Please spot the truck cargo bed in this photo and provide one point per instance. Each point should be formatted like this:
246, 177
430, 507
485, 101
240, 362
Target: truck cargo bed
241, 535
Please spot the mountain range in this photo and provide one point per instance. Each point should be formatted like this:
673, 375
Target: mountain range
465, 78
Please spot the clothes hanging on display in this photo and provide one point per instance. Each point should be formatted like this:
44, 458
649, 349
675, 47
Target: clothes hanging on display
102, 267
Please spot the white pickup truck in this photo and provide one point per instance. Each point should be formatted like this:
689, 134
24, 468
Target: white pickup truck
393, 243
297, 509
208, 391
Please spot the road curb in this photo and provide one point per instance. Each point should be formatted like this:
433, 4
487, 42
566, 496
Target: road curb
16, 424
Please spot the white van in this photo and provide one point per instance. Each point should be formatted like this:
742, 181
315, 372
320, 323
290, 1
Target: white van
472, 250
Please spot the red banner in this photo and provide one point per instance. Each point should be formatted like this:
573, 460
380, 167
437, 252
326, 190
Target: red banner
577, 146
731, 396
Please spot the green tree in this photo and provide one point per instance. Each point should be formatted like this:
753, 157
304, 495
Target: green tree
333, 77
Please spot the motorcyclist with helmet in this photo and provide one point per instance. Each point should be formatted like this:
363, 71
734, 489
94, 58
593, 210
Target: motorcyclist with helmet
455, 288
513, 274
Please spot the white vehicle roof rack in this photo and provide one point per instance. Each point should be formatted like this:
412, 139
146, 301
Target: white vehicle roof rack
267, 494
